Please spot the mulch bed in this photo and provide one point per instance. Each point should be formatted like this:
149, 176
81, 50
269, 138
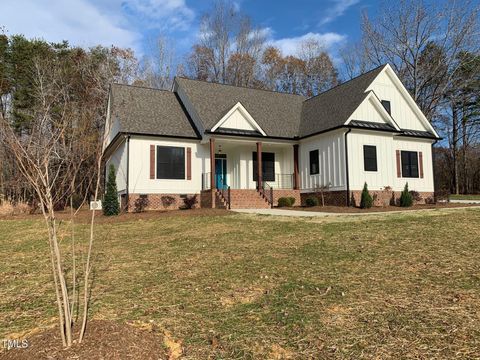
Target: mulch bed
84, 216
344, 209
103, 340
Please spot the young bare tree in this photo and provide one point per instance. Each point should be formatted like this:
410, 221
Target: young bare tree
48, 158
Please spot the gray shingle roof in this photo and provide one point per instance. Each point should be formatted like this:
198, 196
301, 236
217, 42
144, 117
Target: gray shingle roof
149, 111
278, 114
333, 107
159, 112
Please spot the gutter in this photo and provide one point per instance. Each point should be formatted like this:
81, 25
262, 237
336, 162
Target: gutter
347, 178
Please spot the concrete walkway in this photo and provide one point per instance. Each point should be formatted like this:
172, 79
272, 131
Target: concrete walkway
280, 212
462, 201
301, 213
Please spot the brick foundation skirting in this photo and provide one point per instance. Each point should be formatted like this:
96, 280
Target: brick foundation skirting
331, 198
161, 201
381, 197
388, 197
207, 199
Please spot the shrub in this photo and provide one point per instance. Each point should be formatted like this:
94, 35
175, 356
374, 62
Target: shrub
292, 200
141, 203
189, 201
111, 205
430, 200
366, 200
393, 201
416, 195
285, 201
311, 201
22, 208
167, 201
10, 208
406, 199
6, 208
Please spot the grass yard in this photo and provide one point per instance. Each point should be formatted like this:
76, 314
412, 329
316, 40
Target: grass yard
257, 287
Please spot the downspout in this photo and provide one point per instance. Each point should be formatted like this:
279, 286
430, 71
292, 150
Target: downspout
433, 170
347, 178
127, 196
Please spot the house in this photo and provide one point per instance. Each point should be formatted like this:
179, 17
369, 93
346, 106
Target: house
245, 148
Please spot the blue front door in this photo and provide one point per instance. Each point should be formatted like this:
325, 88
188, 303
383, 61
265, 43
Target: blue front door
221, 173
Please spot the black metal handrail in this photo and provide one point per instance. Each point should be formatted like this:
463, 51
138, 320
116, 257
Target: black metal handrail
283, 181
267, 192
224, 190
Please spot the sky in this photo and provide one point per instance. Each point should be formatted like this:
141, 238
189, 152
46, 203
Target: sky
136, 23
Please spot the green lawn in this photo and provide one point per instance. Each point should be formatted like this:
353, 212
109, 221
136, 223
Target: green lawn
465, 197
256, 287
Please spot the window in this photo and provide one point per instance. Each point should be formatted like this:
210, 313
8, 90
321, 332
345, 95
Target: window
386, 105
410, 164
314, 164
170, 162
370, 158
268, 166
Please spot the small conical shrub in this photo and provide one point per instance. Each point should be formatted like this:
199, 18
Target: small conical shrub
110, 203
366, 201
406, 199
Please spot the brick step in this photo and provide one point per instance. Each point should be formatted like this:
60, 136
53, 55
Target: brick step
244, 199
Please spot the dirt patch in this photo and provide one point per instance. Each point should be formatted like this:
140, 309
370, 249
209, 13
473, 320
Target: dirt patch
84, 216
344, 209
103, 340
242, 296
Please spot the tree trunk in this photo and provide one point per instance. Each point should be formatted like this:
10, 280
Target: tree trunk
454, 146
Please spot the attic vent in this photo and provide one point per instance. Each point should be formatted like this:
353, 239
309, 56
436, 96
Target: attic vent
386, 105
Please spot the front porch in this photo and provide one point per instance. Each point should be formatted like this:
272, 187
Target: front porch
250, 174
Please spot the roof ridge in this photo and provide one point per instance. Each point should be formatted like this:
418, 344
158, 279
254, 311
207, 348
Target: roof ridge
348, 81
142, 87
241, 87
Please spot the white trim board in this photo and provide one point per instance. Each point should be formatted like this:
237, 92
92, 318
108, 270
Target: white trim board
249, 121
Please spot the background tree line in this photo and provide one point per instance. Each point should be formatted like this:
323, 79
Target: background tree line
433, 48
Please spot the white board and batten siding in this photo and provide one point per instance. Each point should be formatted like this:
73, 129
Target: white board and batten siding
119, 160
331, 155
368, 111
401, 110
386, 175
140, 181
